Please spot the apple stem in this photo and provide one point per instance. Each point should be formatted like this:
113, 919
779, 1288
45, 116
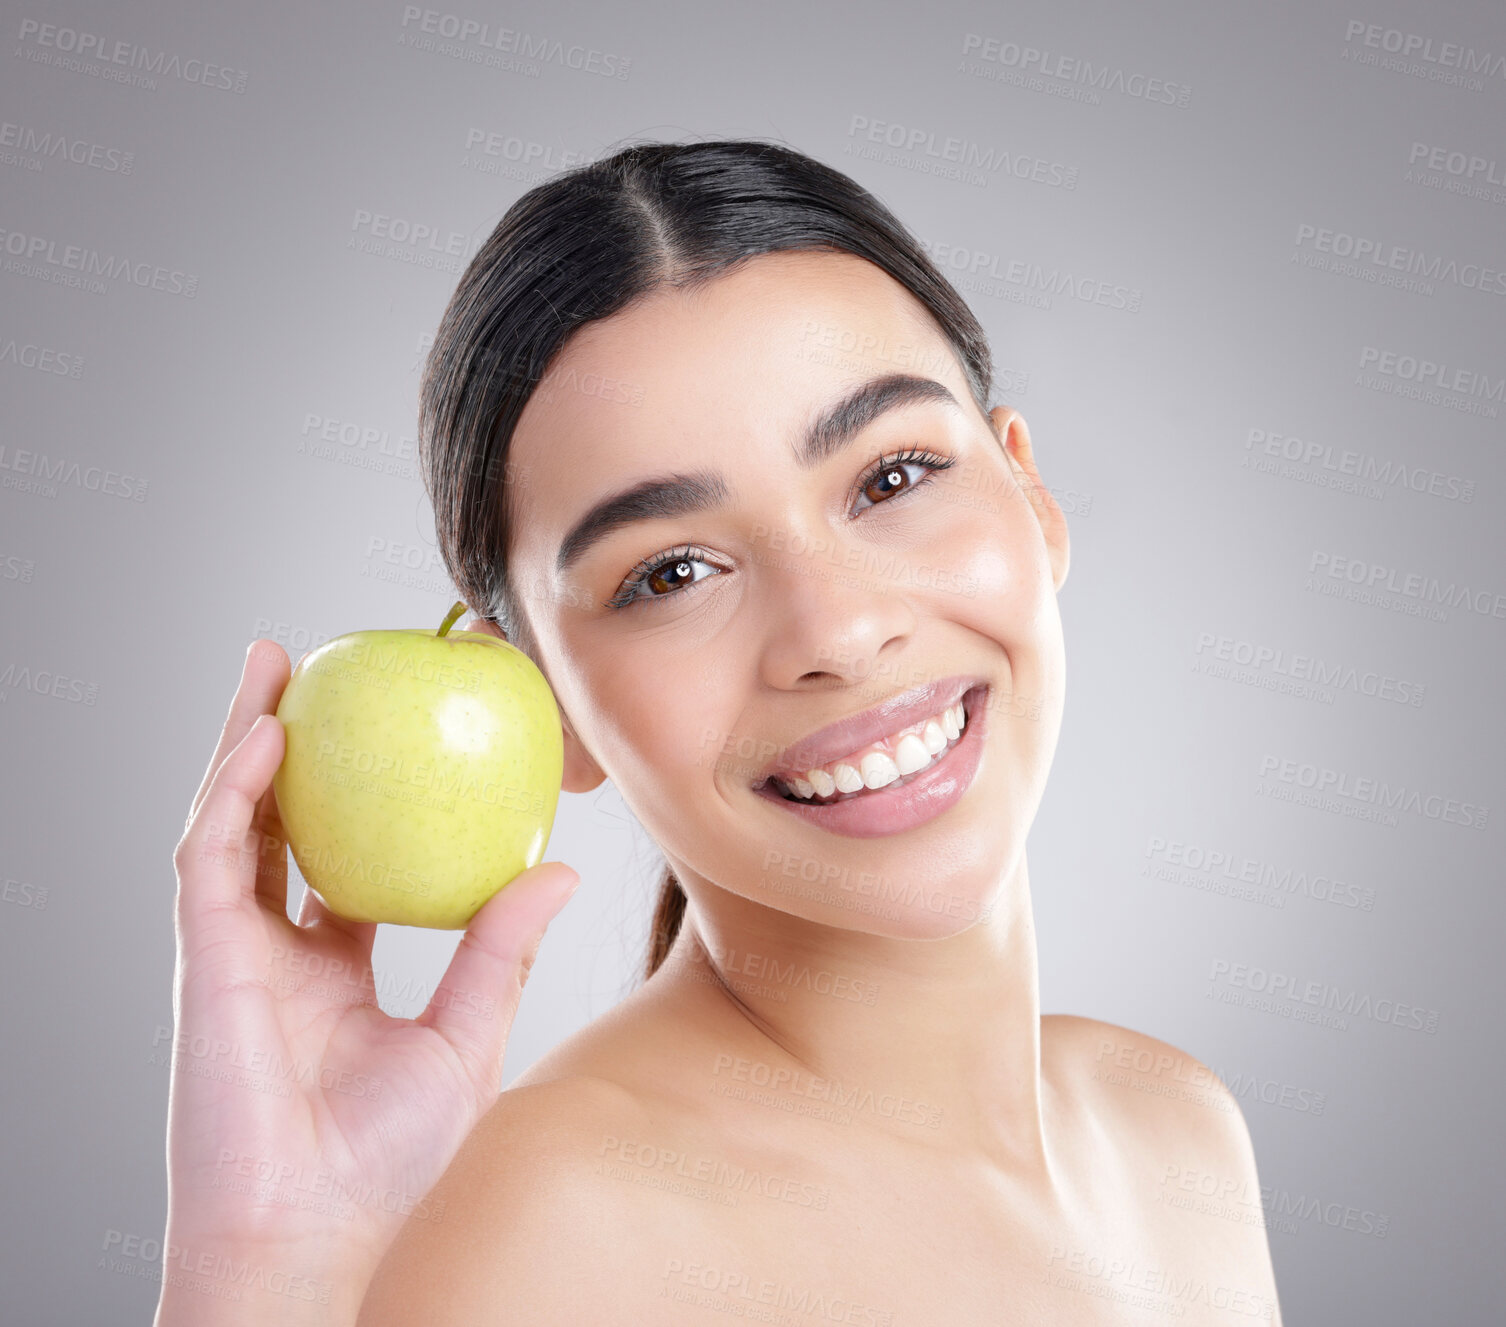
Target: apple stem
451, 618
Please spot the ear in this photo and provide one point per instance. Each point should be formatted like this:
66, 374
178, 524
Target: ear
1014, 435
581, 773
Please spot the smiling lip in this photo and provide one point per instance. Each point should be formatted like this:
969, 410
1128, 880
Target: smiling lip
909, 801
856, 731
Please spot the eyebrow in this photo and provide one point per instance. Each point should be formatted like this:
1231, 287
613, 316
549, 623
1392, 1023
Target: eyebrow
669, 496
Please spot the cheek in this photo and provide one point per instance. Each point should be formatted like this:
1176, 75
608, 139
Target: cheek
999, 574
656, 730
1006, 596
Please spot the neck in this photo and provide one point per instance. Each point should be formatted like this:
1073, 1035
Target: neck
936, 1040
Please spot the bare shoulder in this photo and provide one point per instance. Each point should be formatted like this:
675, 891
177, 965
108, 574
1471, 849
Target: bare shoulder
505, 1232
1128, 1074
1185, 1143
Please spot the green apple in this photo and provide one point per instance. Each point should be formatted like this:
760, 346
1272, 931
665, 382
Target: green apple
421, 772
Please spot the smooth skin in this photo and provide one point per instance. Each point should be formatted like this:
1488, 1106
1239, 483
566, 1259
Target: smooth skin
996, 1166
686, 1158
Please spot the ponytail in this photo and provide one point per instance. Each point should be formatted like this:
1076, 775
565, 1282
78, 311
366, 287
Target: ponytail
667, 918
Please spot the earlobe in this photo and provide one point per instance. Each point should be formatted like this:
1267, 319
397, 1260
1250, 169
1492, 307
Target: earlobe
581, 773
1014, 437
485, 626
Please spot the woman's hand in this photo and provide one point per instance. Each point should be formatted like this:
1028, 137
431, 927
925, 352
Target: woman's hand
305, 1125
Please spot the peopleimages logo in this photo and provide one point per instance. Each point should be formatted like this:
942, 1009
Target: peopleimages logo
68, 48
29, 142
493, 152
483, 39
1373, 577
1443, 55
1379, 475
1470, 165
1380, 794
1306, 668
1371, 256
44, 359
1347, 1002
919, 147
44, 682
1084, 73
1422, 373
71, 264
968, 268
1237, 867
37, 472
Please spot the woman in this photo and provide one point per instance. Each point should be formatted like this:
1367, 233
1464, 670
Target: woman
707, 435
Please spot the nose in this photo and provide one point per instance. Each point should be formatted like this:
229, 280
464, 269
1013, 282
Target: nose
833, 613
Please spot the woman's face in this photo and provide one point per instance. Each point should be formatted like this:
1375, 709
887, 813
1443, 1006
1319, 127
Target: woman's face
693, 640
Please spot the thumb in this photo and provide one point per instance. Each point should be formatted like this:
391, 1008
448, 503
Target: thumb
477, 1000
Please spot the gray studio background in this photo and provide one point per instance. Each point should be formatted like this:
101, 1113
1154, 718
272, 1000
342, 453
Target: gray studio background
1223, 414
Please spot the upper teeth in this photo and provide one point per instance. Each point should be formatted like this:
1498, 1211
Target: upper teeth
880, 763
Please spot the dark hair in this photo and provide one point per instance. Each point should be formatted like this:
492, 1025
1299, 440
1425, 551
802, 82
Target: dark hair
584, 245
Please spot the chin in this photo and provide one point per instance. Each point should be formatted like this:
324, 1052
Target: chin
875, 904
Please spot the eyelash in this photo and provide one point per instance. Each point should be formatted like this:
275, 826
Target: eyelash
627, 596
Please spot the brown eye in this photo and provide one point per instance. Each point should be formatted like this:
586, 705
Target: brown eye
660, 581
663, 576
885, 484
887, 479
